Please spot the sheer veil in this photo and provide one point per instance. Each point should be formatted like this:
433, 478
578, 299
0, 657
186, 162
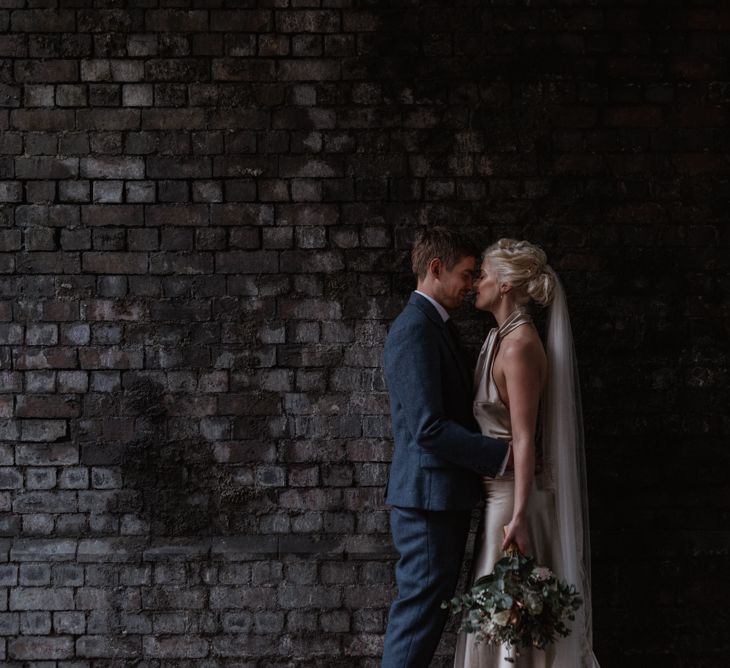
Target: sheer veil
565, 470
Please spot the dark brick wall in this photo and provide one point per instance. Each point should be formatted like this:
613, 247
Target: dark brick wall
205, 214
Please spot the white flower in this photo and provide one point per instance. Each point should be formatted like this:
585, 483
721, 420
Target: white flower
501, 618
534, 604
541, 573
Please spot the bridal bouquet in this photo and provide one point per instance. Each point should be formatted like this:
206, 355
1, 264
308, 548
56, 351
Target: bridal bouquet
518, 603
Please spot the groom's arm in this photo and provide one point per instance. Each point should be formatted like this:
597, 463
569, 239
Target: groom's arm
414, 376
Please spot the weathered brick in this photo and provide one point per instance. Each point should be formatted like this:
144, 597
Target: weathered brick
54, 454
308, 21
199, 167
68, 574
47, 406
299, 596
11, 381
108, 310
73, 478
175, 20
111, 549
236, 622
108, 119
40, 238
10, 191
309, 70
121, 215
192, 214
239, 597
189, 647
43, 20
40, 647
40, 598
9, 429
175, 69
142, 45
9, 623
112, 168
173, 119
34, 502
43, 430
69, 622
73, 191
35, 575
40, 478
243, 262
108, 647
46, 168
118, 263
137, 95
11, 334
39, 71
8, 575
10, 478
242, 214
241, 21
48, 263
312, 262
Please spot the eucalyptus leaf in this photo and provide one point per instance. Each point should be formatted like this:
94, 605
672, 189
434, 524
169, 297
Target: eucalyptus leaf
518, 604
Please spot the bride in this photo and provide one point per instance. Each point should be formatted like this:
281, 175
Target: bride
541, 507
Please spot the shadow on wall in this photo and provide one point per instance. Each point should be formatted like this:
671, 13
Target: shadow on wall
180, 488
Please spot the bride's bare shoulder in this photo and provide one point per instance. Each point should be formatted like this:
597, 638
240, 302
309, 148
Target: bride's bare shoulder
523, 347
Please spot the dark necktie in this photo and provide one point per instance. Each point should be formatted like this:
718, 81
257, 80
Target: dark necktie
456, 338
454, 331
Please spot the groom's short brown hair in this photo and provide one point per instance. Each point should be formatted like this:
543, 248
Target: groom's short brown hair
444, 243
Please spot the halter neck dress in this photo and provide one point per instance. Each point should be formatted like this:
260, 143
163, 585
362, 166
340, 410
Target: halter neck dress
490, 411
493, 417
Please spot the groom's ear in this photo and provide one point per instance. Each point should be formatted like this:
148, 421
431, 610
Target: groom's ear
435, 266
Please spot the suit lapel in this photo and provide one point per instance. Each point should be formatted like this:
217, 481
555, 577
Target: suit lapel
428, 309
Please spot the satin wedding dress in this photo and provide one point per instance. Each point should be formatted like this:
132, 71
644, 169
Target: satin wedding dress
558, 533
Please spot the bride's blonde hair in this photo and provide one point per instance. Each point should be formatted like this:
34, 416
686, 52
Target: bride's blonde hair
524, 266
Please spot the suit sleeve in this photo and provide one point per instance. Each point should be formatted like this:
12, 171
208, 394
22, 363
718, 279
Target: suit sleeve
413, 373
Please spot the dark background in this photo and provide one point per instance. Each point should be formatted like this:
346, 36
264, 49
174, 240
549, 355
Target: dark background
206, 211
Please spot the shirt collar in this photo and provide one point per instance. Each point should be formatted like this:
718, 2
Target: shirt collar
441, 310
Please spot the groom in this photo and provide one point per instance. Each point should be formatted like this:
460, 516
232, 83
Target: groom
439, 454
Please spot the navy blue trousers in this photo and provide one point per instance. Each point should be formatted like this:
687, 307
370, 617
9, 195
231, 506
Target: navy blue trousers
431, 547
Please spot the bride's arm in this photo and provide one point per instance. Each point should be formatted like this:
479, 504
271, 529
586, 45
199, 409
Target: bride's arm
521, 364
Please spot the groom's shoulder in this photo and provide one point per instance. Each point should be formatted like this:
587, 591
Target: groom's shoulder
412, 321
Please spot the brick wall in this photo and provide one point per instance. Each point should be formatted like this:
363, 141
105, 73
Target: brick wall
205, 213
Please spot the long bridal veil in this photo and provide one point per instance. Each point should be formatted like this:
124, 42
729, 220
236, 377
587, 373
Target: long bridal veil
564, 460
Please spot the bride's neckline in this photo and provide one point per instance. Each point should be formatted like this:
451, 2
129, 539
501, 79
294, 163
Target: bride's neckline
518, 317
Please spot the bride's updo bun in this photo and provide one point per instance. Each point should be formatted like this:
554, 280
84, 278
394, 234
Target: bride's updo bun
540, 289
524, 266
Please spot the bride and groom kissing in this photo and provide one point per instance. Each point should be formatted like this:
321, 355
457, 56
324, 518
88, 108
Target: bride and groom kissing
460, 434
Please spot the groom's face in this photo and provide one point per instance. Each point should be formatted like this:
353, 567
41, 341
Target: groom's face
454, 284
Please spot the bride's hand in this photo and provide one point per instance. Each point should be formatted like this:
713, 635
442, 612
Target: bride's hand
516, 532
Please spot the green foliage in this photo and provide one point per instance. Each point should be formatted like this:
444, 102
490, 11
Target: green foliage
518, 604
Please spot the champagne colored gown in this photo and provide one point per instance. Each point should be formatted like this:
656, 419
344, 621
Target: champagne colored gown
494, 420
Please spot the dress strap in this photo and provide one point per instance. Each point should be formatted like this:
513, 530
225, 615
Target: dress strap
518, 317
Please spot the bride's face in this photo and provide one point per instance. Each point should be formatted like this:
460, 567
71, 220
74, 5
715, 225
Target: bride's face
486, 288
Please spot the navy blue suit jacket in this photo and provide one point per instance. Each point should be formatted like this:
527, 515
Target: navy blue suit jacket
439, 454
